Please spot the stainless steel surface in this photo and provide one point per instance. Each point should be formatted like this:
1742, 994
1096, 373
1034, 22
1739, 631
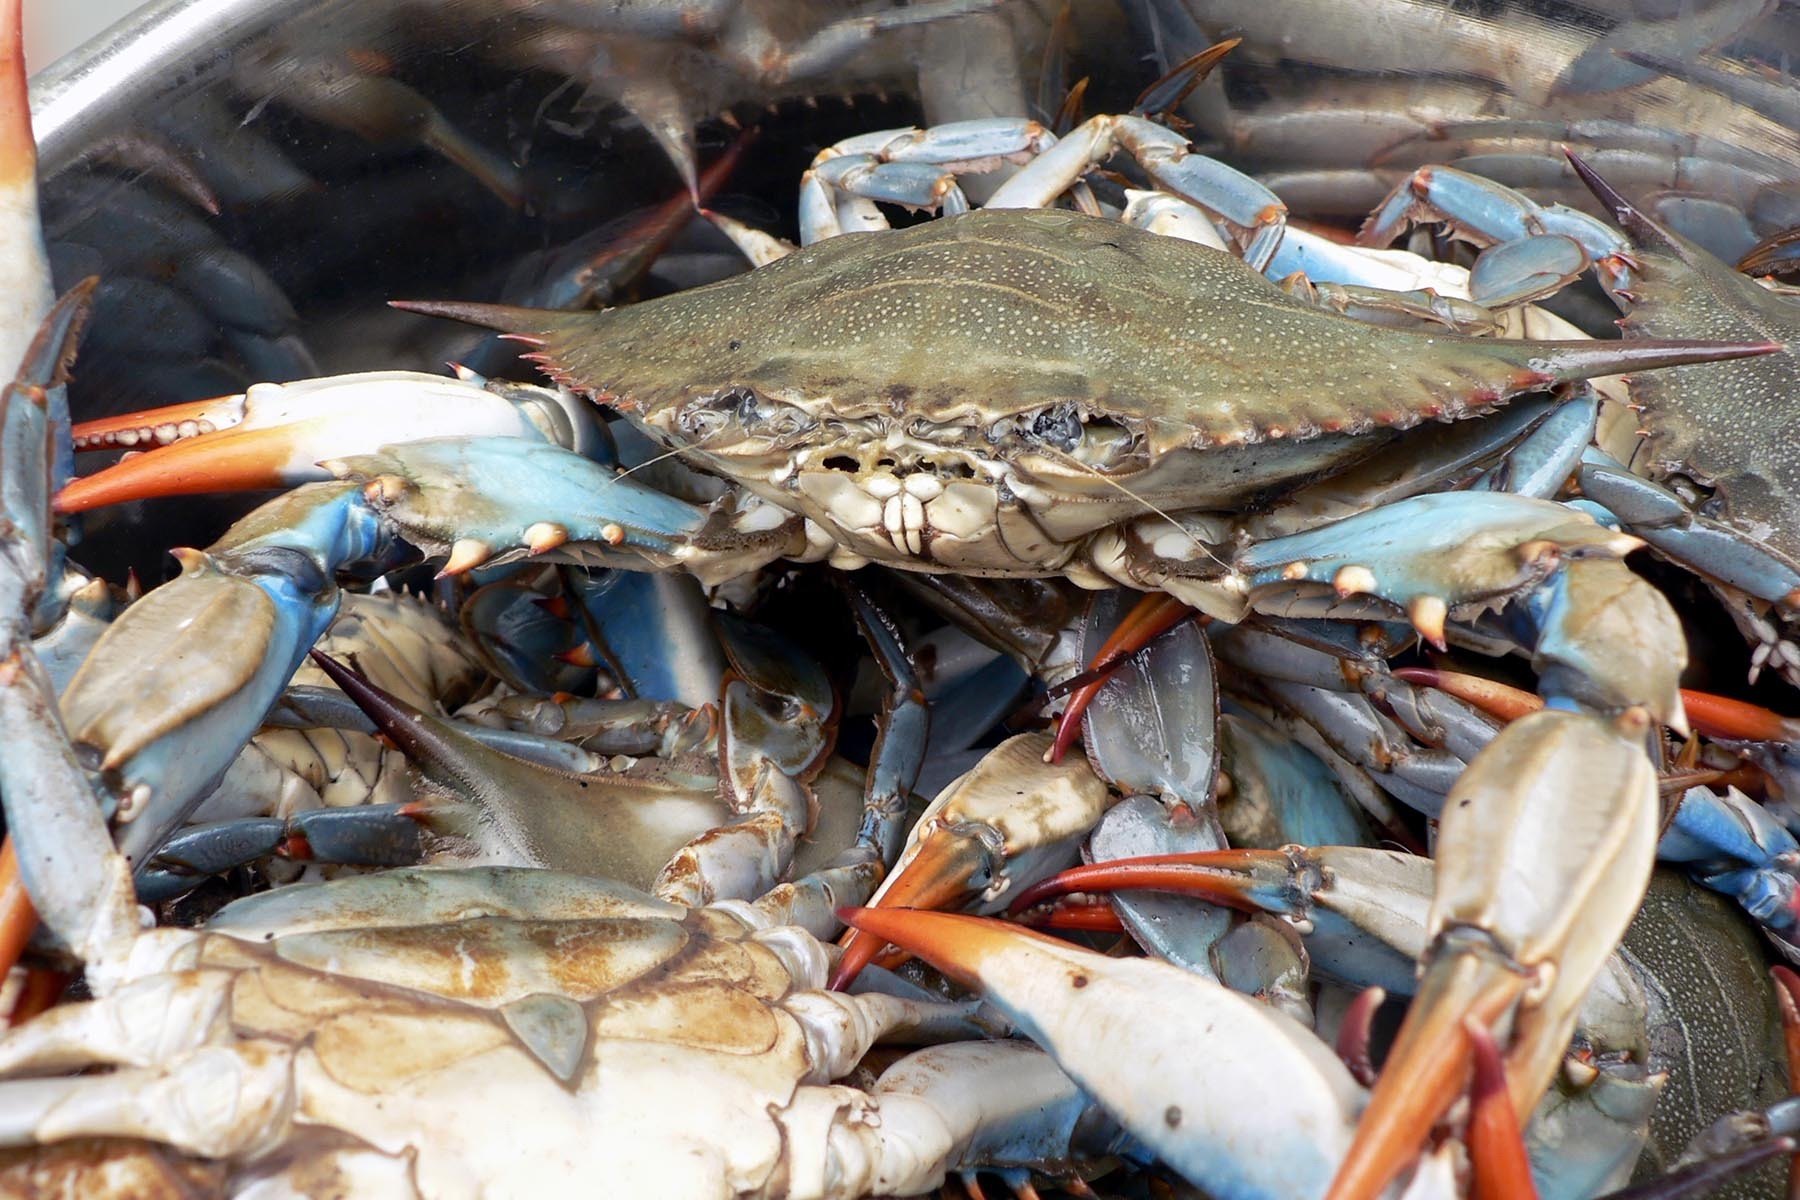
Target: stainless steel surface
162, 49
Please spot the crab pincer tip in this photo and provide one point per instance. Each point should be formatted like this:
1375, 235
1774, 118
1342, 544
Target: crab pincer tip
936, 876
230, 460
1496, 1146
957, 944
18, 150
1428, 1068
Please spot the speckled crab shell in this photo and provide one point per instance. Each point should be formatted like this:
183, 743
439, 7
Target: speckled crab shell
1059, 370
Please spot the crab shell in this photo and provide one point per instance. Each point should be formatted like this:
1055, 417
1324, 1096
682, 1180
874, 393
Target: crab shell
979, 394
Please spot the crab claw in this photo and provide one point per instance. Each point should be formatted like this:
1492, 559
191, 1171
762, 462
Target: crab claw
1544, 852
1014, 817
1269, 1116
1496, 1147
275, 434
1150, 618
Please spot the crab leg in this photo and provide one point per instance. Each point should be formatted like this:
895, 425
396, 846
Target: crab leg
531, 815
1710, 548
226, 635
216, 1101
370, 835
918, 168
1535, 249
56, 837
1241, 202
851, 876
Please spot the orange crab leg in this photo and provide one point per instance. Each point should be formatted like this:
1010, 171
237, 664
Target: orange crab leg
1152, 616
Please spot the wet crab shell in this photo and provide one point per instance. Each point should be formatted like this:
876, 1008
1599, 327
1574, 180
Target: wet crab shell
1017, 380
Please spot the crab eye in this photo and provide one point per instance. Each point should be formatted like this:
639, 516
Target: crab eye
733, 406
1060, 427
1095, 441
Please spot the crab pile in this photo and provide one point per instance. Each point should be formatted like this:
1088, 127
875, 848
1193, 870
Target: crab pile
531, 798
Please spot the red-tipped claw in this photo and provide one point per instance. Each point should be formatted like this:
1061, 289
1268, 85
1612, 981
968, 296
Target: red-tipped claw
1152, 616
1270, 1113
1531, 896
937, 877
275, 435
1013, 815
1496, 1146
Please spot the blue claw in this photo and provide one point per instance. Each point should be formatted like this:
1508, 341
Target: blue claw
1433, 554
1733, 845
501, 498
177, 685
374, 835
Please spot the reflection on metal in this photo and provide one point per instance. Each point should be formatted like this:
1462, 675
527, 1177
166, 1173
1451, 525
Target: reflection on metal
164, 47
